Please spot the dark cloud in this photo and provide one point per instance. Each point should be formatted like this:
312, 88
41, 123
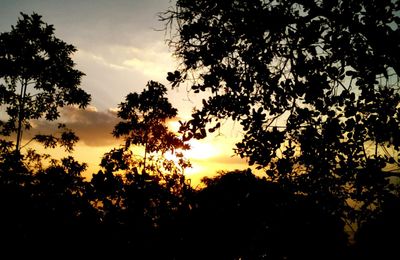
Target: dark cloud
93, 127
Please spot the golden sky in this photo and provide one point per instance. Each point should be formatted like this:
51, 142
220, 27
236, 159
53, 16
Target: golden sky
120, 48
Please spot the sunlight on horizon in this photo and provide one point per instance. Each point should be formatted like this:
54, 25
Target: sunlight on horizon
205, 158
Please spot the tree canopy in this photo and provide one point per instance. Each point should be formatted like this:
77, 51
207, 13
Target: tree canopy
139, 191
319, 106
314, 85
37, 76
144, 124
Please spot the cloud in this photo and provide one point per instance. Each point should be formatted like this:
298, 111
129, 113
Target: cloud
114, 71
94, 128
152, 61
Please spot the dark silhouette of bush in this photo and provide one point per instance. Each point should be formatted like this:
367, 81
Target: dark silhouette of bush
44, 210
240, 216
378, 238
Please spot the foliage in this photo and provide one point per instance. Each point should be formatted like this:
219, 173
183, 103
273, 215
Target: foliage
139, 196
330, 149
37, 75
246, 217
143, 125
145, 116
44, 202
314, 85
43, 205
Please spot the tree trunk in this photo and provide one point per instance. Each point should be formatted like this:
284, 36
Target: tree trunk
21, 111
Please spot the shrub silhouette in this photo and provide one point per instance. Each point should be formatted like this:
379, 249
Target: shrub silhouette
240, 216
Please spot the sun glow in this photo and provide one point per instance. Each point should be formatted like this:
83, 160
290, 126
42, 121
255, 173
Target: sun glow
209, 155
201, 151
199, 155
198, 151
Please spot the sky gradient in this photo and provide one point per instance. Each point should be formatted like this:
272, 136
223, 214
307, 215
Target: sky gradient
121, 46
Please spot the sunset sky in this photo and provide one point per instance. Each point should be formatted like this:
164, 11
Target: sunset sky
121, 46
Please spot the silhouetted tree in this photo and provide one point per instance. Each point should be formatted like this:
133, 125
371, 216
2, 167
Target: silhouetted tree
314, 85
44, 202
144, 122
37, 77
139, 191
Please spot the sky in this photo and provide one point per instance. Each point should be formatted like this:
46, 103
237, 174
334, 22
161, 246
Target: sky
121, 46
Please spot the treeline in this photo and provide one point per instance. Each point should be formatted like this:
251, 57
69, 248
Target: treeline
236, 215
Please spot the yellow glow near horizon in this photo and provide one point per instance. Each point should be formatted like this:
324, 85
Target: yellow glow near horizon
201, 155
207, 156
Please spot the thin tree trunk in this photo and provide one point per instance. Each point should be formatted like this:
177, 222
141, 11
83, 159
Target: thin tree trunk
145, 157
24, 86
145, 150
